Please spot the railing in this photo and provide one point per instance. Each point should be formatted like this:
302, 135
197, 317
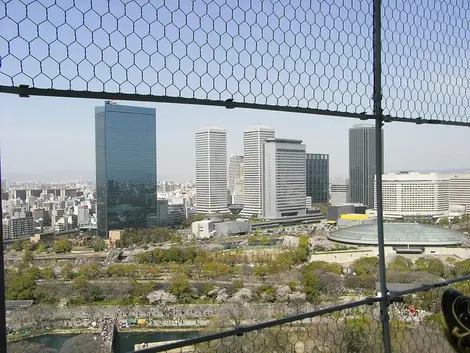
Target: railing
314, 57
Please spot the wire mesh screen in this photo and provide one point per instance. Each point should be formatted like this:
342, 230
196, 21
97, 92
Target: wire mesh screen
353, 330
298, 53
416, 323
426, 59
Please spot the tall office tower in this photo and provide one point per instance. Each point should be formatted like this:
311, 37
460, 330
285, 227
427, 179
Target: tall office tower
211, 170
126, 167
284, 179
362, 166
253, 140
235, 166
318, 166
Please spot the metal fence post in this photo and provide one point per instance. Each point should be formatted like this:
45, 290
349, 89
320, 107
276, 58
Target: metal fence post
3, 321
377, 45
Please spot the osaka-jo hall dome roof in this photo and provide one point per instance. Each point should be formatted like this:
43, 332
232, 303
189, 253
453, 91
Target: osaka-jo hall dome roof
396, 234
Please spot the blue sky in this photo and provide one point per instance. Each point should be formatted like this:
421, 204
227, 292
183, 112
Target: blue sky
315, 54
53, 138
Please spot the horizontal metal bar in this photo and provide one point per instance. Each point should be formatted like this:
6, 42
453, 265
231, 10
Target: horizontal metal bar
245, 329
427, 287
25, 91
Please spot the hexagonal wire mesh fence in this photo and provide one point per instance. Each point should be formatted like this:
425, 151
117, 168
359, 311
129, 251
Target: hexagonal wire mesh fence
298, 55
426, 59
416, 326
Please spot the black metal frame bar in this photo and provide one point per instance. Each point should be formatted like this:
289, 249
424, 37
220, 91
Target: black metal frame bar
386, 298
3, 324
26, 91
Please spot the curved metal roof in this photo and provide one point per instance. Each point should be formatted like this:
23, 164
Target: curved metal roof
412, 234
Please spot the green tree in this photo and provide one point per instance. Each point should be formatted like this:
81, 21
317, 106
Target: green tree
67, 271
88, 291
17, 245
434, 266
41, 248
62, 246
323, 266
89, 272
267, 293
444, 221
310, 285
98, 244
456, 220
47, 273
22, 285
401, 264
461, 268
366, 265
179, 285
303, 242
140, 290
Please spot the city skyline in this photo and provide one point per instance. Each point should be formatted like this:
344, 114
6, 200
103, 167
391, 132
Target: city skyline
40, 122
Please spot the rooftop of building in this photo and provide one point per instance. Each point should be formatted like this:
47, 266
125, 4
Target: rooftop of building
283, 140
258, 128
395, 234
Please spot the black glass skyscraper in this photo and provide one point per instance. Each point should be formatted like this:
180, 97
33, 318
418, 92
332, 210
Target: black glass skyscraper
126, 170
317, 177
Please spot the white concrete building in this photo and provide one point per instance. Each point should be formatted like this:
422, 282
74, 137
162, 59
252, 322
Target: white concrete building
408, 194
203, 229
459, 190
235, 170
253, 140
211, 170
339, 191
284, 179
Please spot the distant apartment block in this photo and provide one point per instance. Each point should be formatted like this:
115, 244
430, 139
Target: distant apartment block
17, 227
284, 178
211, 170
253, 141
83, 215
317, 177
415, 195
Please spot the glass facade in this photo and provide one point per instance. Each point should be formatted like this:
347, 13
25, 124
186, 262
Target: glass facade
318, 177
126, 167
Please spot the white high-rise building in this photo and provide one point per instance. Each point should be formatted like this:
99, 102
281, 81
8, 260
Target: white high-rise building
408, 194
459, 190
211, 170
253, 140
235, 167
284, 179
239, 187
